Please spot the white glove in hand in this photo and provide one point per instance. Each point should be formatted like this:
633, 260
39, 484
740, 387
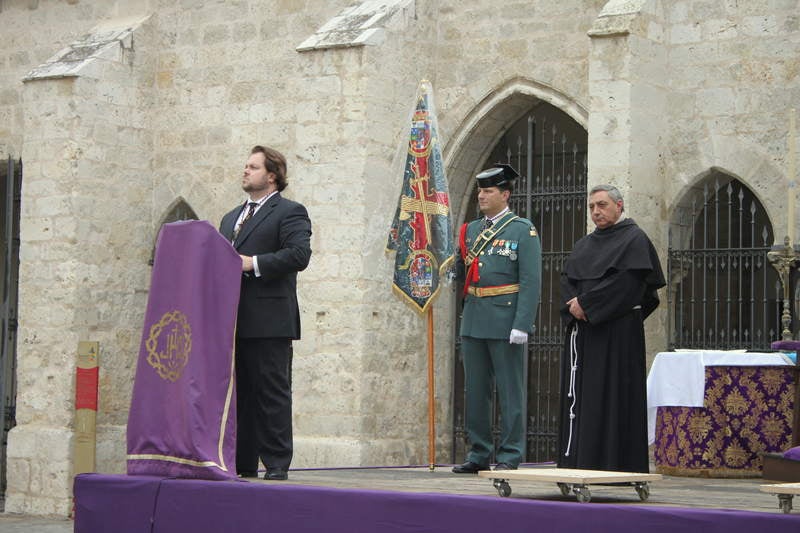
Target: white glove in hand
517, 337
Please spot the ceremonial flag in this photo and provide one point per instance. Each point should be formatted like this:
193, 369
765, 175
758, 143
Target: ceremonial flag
421, 231
182, 421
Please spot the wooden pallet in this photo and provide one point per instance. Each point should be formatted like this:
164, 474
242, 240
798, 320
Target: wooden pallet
571, 480
785, 492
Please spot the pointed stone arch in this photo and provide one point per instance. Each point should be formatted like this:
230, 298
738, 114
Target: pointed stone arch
481, 129
179, 209
730, 156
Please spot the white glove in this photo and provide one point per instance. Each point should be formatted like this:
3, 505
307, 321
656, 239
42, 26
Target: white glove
517, 337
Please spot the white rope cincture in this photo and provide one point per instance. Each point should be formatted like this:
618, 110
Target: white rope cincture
573, 361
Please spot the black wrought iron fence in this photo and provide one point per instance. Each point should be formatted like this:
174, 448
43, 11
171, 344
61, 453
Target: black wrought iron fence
723, 292
10, 181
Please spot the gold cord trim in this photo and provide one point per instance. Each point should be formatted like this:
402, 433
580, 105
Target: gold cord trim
497, 290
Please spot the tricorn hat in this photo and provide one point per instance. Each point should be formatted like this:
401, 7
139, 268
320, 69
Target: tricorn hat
499, 175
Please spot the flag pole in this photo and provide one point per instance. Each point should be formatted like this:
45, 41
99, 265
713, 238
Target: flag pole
431, 404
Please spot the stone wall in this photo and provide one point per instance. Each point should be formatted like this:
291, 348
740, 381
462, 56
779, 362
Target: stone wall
679, 89
85, 227
628, 87
734, 76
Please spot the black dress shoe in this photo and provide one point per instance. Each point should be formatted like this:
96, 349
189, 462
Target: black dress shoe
469, 468
276, 474
247, 474
504, 466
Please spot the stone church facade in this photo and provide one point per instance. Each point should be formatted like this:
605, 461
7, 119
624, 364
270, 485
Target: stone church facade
123, 111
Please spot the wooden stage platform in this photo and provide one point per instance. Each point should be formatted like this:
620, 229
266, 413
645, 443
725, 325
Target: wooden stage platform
690, 492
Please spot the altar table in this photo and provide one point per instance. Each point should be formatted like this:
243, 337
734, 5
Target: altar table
712, 413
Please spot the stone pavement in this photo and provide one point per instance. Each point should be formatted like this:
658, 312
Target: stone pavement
739, 494
28, 524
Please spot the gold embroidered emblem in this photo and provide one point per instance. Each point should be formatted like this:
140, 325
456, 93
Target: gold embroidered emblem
169, 345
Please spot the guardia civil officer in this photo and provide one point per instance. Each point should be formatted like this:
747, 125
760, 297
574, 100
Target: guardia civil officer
501, 261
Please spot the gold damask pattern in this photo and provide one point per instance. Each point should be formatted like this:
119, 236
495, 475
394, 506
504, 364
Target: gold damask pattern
747, 411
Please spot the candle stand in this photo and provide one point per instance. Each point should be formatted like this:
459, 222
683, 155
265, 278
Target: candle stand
783, 258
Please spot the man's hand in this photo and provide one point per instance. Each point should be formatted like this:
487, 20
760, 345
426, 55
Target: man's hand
575, 309
517, 337
247, 263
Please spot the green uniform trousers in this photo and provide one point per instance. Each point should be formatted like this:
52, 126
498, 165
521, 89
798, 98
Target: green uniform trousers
485, 359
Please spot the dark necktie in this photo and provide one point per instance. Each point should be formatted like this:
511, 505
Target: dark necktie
487, 223
251, 208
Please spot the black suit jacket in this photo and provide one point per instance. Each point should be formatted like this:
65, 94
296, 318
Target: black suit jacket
279, 235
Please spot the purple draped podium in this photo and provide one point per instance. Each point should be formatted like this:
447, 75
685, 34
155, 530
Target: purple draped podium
182, 421
748, 411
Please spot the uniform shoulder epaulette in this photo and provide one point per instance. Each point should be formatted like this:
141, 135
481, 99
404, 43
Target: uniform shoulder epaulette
520, 220
528, 224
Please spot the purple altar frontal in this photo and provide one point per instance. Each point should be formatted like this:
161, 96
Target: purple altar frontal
133, 504
747, 412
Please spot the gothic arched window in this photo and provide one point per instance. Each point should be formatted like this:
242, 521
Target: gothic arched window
179, 209
723, 292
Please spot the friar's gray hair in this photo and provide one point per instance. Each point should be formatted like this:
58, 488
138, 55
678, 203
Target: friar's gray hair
612, 191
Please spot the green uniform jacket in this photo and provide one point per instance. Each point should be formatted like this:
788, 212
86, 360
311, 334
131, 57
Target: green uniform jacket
512, 255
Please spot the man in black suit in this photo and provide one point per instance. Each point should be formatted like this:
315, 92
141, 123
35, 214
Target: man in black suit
272, 235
